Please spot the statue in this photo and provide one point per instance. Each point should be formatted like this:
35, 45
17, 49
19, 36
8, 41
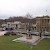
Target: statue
29, 36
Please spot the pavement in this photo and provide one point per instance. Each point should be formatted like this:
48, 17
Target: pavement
34, 41
2, 33
30, 41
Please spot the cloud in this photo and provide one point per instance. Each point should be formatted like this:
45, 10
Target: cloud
22, 7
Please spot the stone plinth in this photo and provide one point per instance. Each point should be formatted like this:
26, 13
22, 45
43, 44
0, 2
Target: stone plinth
28, 36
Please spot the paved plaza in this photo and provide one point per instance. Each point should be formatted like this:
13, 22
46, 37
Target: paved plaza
30, 41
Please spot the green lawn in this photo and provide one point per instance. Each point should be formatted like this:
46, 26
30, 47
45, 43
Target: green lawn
6, 43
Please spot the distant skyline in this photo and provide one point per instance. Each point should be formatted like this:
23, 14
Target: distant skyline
22, 7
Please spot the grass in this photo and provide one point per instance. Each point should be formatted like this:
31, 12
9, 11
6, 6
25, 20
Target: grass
6, 43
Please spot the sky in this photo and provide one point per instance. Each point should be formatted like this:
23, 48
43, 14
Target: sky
22, 7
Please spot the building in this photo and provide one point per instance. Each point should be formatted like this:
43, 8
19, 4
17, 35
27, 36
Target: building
43, 23
14, 25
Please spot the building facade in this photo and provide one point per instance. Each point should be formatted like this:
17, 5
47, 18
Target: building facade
15, 25
43, 23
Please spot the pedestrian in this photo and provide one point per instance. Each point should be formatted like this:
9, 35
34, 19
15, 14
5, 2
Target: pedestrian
40, 34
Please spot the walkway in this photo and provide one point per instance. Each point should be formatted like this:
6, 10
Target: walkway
2, 33
30, 41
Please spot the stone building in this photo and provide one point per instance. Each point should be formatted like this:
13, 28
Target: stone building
14, 25
43, 23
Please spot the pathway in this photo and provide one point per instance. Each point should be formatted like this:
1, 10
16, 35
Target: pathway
2, 33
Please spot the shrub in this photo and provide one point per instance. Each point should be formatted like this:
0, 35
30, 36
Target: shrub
8, 33
13, 33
